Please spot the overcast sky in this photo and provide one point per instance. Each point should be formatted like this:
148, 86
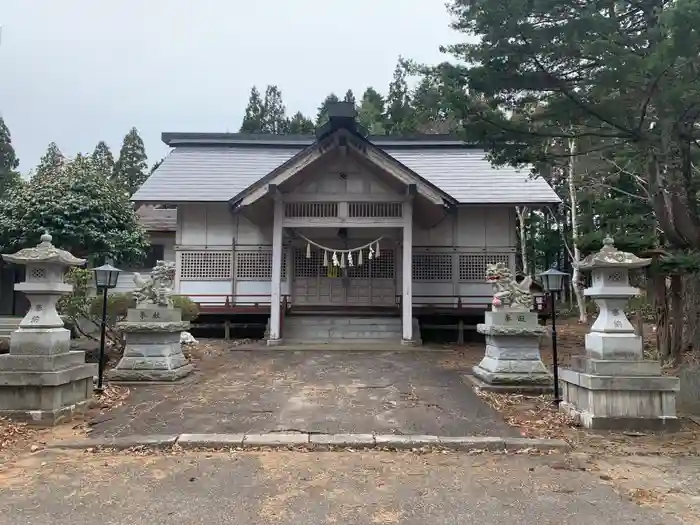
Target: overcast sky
79, 71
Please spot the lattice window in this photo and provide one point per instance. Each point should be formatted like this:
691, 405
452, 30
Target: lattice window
472, 267
310, 267
361, 272
205, 265
382, 268
311, 209
257, 265
432, 267
375, 209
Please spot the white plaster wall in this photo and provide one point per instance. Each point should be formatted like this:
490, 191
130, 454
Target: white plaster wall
474, 227
204, 225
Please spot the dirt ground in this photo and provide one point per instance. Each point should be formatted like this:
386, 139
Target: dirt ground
659, 471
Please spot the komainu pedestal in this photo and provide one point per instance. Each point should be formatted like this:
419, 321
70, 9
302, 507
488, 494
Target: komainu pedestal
42, 381
153, 350
612, 386
512, 361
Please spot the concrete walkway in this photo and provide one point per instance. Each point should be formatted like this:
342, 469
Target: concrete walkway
286, 488
334, 392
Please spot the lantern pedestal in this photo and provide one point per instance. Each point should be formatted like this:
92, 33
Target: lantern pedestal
512, 361
153, 351
43, 382
612, 386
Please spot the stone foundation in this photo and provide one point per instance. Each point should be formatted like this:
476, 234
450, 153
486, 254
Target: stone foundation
42, 382
512, 359
153, 351
619, 402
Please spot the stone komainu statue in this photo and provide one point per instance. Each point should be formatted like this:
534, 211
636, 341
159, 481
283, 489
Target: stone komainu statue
158, 288
508, 293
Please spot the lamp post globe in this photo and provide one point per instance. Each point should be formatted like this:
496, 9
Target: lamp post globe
552, 280
106, 278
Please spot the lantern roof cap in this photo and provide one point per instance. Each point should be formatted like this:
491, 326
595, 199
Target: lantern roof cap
610, 257
44, 252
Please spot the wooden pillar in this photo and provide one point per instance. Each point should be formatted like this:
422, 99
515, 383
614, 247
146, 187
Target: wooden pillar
277, 252
407, 269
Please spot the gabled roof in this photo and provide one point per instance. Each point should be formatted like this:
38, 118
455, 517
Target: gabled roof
215, 167
354, 142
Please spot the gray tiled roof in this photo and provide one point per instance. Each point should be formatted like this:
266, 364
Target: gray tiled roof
217, 173
157, 219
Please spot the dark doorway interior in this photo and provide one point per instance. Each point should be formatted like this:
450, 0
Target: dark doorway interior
12, 303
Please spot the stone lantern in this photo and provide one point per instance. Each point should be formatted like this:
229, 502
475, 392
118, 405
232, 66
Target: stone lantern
612, 386
41, 380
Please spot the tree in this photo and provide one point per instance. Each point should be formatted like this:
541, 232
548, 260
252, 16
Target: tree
130, 169
300, 125
254, 112
350, 97
619, 78
102, 160
9, 177
83, 211
370, 114
155, 166
398, 103
273, 119
51, 164
322, 116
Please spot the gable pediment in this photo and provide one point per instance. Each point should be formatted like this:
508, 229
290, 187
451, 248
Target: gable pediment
342, 177
342, 148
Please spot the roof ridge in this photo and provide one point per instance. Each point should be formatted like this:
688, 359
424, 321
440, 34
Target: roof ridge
264, 139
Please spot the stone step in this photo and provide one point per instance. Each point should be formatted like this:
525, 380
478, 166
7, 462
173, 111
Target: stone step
341, 321
340, 334
364, 344
346, 328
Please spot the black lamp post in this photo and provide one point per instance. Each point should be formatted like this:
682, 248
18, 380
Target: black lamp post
553, 282
106, 277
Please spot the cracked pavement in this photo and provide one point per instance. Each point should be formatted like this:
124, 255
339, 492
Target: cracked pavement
322, 488
330, 392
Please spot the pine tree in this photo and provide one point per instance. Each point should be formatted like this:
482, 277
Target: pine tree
9, 178
371, 112
102, 160
350, 97
155, 166
300, 125
322, 116
273, 116
130, 169
398, 103
254, 113
51, 164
